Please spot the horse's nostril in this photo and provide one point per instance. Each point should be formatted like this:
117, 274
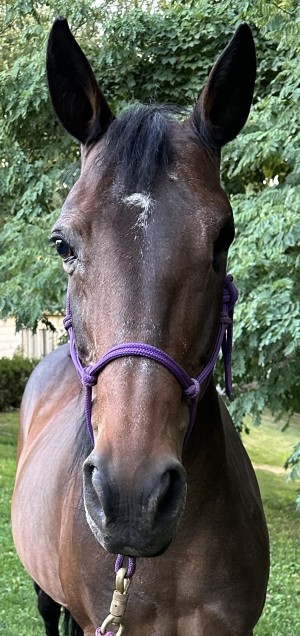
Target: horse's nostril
100, 492
88, 470
170, 495
92, 478
96, 479
92, 481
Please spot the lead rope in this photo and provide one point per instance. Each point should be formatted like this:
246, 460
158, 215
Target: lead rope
190, 388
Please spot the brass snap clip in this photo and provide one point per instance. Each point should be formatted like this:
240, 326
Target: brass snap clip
118, 603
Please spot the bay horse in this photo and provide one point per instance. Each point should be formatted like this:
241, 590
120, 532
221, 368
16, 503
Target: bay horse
143, 236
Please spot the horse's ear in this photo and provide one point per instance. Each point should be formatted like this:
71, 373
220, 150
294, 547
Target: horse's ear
75, 94
225, 102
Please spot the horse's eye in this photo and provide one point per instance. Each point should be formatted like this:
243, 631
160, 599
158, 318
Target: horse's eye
63, 248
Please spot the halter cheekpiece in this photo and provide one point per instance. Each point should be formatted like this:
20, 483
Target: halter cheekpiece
88, 376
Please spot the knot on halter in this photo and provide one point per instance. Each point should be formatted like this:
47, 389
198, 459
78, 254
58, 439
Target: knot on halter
192, 391
230, 294
87, 378
67, 321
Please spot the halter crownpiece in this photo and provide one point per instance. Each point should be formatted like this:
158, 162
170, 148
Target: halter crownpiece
88, 376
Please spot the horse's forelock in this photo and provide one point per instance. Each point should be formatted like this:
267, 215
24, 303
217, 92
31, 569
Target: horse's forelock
138, 147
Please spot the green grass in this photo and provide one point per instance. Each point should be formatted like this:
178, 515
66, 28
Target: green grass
269, 444
268, 448
18, 615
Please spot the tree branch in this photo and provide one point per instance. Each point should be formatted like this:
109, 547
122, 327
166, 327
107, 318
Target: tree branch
284, 10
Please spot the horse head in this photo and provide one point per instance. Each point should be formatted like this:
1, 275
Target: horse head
143, 236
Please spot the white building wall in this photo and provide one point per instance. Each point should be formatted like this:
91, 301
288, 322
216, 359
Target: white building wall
10, 341
25, 342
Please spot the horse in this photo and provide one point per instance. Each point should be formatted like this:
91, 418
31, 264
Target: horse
159, 475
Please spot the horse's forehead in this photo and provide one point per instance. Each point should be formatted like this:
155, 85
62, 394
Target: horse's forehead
194, 169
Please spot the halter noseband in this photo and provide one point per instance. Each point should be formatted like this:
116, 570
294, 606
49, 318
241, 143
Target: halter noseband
88, 376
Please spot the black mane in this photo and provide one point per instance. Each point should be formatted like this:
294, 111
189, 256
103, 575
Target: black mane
138, 145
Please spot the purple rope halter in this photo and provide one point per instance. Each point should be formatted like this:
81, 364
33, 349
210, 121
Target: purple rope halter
88, 376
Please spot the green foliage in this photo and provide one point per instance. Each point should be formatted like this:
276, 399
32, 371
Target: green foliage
265, 264
261, 172
14, 373
163, 51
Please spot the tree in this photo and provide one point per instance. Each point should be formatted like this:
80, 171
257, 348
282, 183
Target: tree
163, 51
265, 257
35, 154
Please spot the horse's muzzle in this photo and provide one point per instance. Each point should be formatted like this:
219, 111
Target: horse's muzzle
135, 517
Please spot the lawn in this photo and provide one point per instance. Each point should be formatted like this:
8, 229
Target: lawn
17, 603
268, 448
